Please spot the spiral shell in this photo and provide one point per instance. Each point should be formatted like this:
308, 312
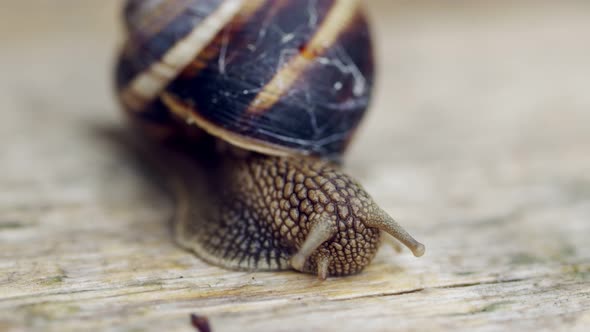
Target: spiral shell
273, 76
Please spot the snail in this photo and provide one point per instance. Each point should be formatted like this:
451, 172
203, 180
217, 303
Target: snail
279, 87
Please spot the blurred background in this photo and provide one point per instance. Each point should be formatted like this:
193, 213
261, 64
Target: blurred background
478, 141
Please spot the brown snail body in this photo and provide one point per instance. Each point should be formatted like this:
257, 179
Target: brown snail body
284, 84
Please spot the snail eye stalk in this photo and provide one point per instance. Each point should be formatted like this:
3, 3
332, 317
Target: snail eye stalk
381, 220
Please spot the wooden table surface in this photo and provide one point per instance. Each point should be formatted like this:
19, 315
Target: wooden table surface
478, 142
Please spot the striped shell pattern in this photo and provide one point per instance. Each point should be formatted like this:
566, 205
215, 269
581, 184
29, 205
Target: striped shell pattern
273, 76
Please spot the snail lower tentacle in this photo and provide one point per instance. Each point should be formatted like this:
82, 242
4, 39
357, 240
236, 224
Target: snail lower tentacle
274, 213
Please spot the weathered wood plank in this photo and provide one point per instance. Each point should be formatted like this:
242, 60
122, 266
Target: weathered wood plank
477, 142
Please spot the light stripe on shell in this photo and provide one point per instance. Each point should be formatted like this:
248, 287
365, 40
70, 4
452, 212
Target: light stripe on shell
340, 15
149, 84
185, 112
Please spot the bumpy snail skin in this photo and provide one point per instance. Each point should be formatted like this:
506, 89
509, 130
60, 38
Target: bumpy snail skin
276, 213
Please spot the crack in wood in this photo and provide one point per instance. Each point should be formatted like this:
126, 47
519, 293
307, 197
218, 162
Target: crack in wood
420, 289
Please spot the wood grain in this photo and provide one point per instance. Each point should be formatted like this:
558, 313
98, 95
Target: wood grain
477, 143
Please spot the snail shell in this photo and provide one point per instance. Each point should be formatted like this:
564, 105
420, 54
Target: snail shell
271, 76
288, 81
